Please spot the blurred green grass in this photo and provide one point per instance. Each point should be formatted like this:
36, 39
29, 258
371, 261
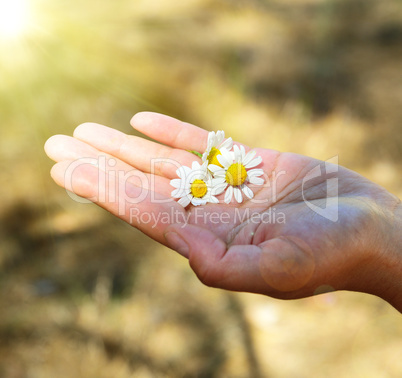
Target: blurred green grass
81, 293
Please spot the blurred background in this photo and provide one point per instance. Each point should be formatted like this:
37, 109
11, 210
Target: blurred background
84, 295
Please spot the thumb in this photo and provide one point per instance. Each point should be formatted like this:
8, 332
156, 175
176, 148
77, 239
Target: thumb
236, 268
287, 264
202, 247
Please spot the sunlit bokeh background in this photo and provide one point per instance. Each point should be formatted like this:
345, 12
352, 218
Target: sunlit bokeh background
84, 295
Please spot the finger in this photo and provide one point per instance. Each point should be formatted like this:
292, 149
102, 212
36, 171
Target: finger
140, 153
148, 211
236, 268
62, 147
170, 131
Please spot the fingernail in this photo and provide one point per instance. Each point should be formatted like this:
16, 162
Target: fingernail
177, 243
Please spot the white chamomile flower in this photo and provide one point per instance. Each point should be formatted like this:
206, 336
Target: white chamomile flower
235, 173
216, 143
194, 185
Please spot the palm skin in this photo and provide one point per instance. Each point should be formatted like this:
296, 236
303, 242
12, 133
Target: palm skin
274, 244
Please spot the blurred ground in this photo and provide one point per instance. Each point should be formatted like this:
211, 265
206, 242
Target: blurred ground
84, 295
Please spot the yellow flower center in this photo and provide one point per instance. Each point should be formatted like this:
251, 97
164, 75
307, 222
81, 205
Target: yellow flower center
236, 174
212, 157
198, 188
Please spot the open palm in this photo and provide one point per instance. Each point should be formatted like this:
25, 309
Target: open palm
310, 226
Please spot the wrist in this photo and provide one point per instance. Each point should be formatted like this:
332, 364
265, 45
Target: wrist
388, 260
395, 250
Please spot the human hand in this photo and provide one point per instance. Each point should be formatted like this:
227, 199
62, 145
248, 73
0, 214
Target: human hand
278, 244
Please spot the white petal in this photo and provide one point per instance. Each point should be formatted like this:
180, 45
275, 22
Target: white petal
183, 172
228, 194
211, 140
180, 192
247, 191
220, 136
218, 180
255, 162
208, 177
255, 172
196, 175
250, 155
226, 158
214, 168
256, 180
237, 195
198, 201
228, 144
184, 201
237, 154
218, 188
223, 161
176, 183
213, 199
195, 166
243, 152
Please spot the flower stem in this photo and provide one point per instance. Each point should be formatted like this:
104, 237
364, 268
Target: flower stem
195, 153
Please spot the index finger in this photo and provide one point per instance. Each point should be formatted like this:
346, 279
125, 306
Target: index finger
171, 131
